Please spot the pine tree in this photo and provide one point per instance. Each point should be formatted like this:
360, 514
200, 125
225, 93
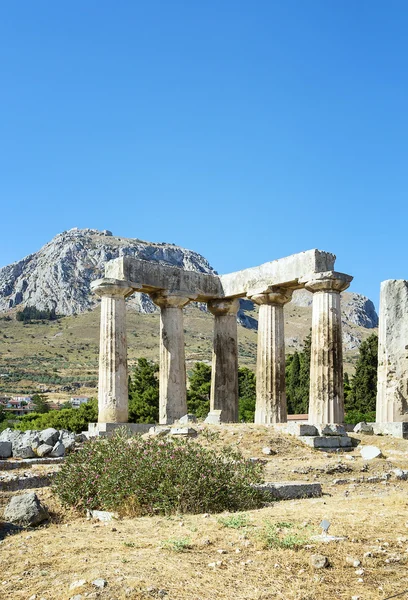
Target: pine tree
198, 394
363, 392
247, 395
144, 393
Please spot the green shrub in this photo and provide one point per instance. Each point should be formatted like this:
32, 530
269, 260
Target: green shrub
145, 477
353, 417
73, 419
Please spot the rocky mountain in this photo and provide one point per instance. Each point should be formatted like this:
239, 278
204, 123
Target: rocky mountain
59, 275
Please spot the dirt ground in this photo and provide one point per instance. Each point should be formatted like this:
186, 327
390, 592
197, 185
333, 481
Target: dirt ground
225, 557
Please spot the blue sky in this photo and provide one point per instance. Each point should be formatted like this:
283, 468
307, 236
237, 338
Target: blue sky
243, 130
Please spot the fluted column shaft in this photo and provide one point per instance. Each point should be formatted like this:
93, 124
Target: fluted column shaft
326, 398
172, 375
270, 366
113, 398
224, 372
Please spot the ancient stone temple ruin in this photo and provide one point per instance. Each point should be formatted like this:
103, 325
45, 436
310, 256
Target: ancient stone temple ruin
270, 286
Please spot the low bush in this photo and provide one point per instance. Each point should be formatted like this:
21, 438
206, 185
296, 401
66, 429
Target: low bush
154, 476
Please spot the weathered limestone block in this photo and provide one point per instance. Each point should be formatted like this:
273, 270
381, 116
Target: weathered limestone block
113, 374
172, 375
270, 366
49, 436
392, 387
25, 510
289, 490
43, 450
5, 449
326, 401
331, 441
224, 373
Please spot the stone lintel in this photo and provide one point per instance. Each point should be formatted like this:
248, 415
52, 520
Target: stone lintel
150, 277
326, 281
284, 272
111, 287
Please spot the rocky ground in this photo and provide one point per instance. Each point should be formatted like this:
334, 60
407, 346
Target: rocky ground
227, 556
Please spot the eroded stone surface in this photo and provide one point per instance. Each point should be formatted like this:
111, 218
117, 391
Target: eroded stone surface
392, 387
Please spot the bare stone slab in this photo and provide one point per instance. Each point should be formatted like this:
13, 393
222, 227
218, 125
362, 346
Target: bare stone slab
298, 429
106, 429
398, 429
5, 449
102, 515
290, 490
183, 431
332, 441
370, 452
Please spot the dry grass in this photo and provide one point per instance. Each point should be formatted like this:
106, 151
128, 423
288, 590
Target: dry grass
140, 557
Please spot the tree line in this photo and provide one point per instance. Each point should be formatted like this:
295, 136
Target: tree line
359, 390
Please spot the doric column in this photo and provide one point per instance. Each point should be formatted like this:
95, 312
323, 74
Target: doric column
113, 375
326, 398
270, 364
224, 373
172, 376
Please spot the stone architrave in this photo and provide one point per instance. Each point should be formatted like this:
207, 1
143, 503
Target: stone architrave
172, 375
224, 373
326, 398
270, 366
113, 397
392, 387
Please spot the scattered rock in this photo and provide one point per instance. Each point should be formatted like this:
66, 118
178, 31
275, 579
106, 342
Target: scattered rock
25, 510
49, 436
400, 474
318, 561
58, 450
370, 452
100, 583
101, 515
332, 429
77, 584
268, 451
354, 562
43, 450
363, 428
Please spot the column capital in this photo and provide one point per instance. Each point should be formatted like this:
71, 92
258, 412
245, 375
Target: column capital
328, 281
168, 300
276, 295
223, 306
112, 288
